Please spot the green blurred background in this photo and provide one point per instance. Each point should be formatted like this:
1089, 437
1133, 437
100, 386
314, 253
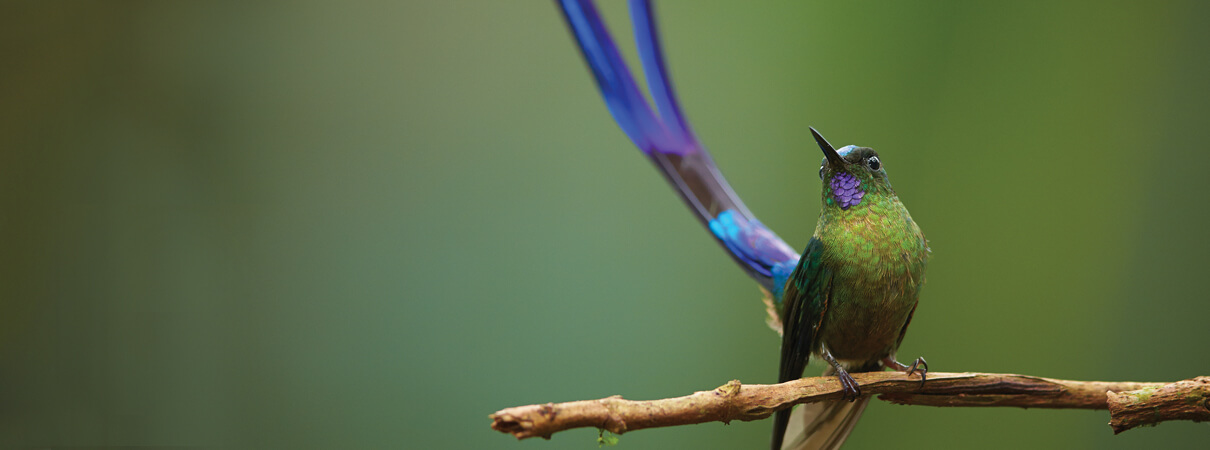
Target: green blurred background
288, 224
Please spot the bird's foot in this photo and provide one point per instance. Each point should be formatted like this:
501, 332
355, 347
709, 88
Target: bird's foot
920, 365
852, 391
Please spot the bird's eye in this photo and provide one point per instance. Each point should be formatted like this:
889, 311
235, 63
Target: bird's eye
821, 172
874, 163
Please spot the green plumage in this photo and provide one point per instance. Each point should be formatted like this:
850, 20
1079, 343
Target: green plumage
876, 255
854, 290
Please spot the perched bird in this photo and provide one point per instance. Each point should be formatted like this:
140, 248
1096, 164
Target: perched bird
854, 291
851, 294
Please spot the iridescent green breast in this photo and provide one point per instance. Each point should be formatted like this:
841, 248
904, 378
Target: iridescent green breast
877, 255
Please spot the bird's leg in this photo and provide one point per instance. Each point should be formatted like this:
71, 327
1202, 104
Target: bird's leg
851, 390
920, 364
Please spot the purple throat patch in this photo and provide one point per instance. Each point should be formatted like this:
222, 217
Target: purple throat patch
846, 190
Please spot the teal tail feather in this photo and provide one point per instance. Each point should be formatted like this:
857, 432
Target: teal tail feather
665, 136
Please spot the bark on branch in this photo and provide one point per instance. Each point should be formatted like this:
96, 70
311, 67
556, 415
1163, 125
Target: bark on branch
1130, 404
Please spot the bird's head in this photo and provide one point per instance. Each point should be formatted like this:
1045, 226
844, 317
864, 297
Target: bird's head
851, 175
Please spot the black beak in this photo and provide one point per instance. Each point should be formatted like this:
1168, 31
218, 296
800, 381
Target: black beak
828, 152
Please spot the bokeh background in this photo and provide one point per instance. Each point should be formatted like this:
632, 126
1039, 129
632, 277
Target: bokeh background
370, 225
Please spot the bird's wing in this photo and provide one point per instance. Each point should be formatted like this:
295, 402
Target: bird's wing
805, 302
670, 143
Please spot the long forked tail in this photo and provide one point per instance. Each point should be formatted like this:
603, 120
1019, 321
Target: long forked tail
670, 143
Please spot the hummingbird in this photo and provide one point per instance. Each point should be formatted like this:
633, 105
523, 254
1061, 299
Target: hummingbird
852, 295
847, 299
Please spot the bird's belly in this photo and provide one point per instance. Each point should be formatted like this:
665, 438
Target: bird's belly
864, 325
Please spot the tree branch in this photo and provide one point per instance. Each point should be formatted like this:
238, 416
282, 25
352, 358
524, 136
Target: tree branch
1183, 400
1130, 404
